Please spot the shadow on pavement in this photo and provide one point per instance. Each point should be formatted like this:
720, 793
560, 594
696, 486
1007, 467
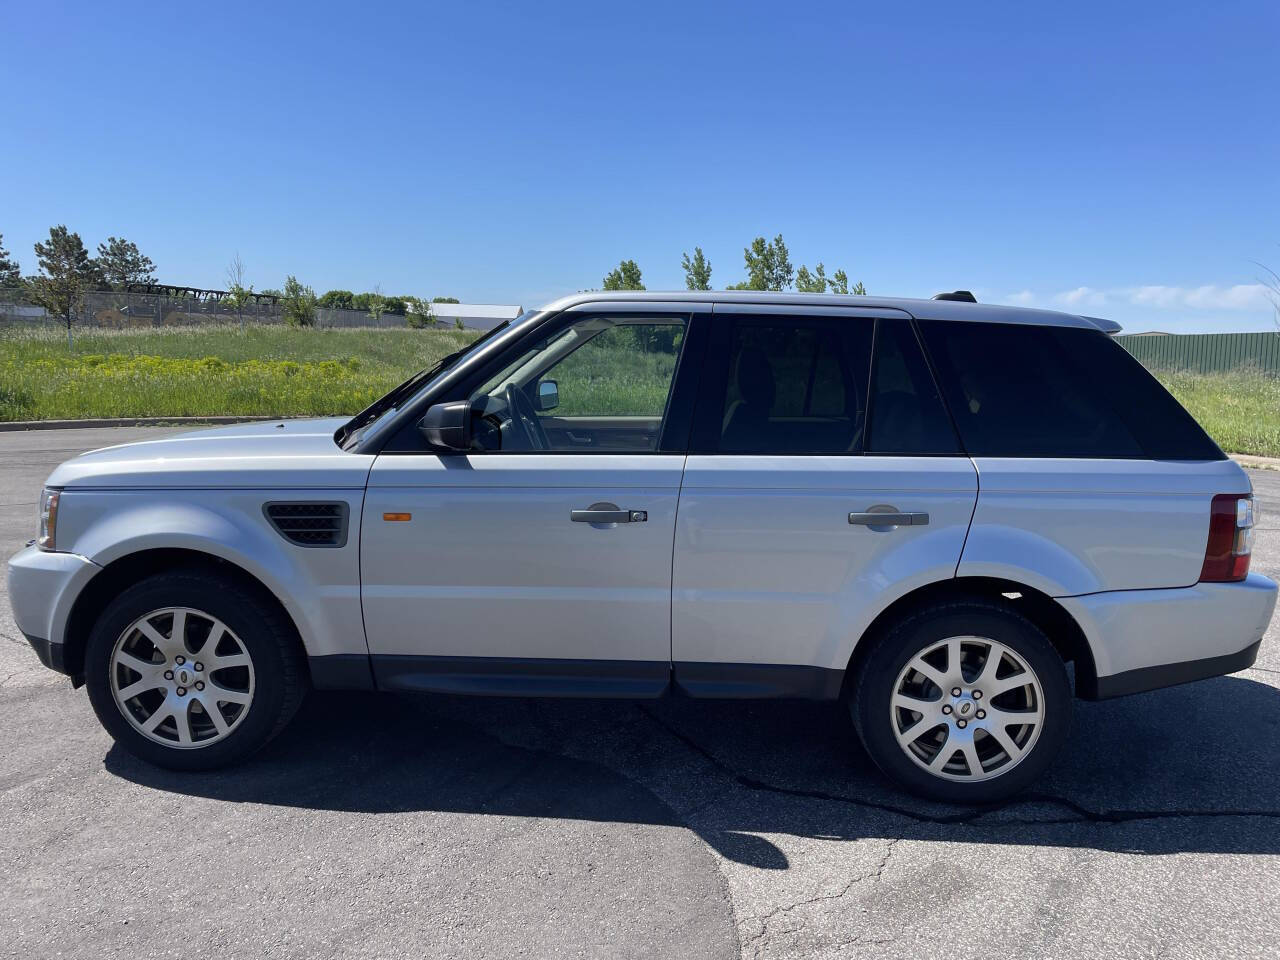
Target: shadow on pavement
1194, 768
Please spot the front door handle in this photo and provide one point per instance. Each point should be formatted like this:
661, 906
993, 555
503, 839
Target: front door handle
608, 513
887, 519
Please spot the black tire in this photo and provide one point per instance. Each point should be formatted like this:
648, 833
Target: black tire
280, 677
890, 653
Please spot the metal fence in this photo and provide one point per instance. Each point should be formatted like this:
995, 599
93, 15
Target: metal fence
124, 311
1205, 352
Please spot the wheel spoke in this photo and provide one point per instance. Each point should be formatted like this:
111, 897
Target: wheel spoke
152, 682
223, 695
182, 719
210, 645
997, 731
971, 757
986, 680
943, 755
953, 659
158, 639
157, 718
178, 635
215, 714
136, 663
936, 676
1006, 684
227, 662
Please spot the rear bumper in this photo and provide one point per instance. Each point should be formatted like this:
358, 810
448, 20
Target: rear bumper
1146, 639
42, 589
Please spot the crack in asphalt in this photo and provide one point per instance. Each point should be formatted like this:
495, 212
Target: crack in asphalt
1082, 814
875, 874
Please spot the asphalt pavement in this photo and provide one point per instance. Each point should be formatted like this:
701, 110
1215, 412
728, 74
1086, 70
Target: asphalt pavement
388, 826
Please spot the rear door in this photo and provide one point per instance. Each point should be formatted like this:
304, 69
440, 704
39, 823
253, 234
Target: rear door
825, 479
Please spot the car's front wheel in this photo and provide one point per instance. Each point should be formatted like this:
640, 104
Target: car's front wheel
963, 702
191, 671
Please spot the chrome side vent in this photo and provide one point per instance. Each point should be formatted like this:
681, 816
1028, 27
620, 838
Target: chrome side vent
309, 524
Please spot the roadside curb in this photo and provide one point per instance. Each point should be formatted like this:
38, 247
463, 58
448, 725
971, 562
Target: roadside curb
11, 425
1256, 463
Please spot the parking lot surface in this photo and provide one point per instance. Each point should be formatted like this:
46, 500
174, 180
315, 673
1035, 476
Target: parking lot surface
447, 827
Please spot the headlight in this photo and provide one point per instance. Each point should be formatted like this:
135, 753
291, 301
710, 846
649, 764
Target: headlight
48, 519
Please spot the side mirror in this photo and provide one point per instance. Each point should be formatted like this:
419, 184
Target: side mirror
447, 426
548, 395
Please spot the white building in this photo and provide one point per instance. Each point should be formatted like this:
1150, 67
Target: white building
474, 316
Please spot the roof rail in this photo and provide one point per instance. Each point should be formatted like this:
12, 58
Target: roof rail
964, 296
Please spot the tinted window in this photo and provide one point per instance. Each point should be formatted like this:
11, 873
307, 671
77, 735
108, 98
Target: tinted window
907, 414
1031, 391
795, 387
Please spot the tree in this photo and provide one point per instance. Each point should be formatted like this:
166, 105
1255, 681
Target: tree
121, 263
815, 282
840, 284
418, 313
10, 273
458, 324
697, 271
237, 293
445, 300
377, 304
768, 265
66, 273
337, 300
298, 303
626, 276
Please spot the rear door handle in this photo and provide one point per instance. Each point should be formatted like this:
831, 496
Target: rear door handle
608, 513
889, 519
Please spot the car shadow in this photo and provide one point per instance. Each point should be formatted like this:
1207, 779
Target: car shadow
1193, 768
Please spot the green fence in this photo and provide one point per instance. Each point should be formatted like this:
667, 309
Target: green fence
1205, 352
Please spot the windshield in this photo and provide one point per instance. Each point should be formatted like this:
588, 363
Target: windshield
359, 426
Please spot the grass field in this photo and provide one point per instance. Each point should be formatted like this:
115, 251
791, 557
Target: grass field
284, 371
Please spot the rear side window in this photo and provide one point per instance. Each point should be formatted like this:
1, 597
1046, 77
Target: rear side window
907, 414
795, 387
1031, 391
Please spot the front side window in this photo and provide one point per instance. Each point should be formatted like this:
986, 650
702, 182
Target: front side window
600, 384
795, 387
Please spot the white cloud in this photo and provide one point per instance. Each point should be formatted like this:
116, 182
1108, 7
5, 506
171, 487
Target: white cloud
1082, 296
1241, 296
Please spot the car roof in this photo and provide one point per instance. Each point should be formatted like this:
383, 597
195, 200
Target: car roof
920, 309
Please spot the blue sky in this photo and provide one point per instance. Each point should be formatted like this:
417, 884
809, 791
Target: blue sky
1115, 159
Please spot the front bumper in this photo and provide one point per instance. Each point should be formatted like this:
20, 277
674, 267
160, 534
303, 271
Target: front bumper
42, 590
1147, 639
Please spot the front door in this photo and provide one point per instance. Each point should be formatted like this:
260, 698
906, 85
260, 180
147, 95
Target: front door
820, 485
540, 562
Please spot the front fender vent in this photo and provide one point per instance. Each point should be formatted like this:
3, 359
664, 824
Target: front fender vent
309, 524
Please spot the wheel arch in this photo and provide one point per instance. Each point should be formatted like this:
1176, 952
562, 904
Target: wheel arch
124, 571
1041, 609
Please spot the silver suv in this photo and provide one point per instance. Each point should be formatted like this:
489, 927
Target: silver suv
929, 509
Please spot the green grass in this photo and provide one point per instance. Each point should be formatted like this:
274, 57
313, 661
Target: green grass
1240, 409
273, 370
267, 370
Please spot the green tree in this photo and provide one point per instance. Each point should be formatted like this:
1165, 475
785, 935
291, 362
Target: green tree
10, 273
445, 300
66, 274
458, 324
626, 276
697, 270
337, 300
120, 263
377, 304
840, 284
418, 313
238, 295
768, 265
815, 282
298, 303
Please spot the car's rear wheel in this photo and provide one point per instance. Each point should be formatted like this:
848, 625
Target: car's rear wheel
192, 671
963, 702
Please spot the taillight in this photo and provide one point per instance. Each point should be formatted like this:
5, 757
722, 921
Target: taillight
1226, 556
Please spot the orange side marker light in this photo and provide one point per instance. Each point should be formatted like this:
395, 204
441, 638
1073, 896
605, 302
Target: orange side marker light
397, 517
